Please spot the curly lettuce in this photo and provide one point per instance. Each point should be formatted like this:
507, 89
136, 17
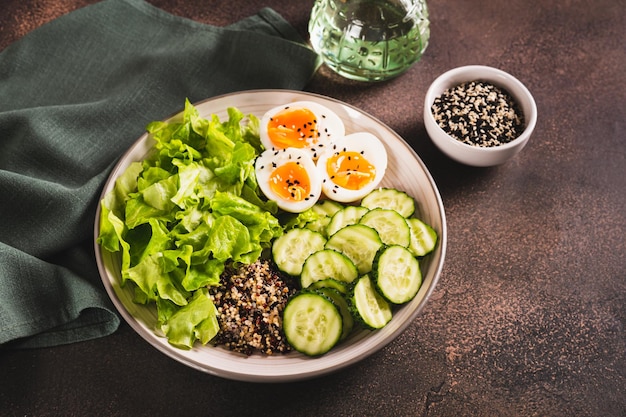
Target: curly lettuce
186, 211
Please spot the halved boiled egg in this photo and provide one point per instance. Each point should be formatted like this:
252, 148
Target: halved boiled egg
352, 167
289, 177
304, 125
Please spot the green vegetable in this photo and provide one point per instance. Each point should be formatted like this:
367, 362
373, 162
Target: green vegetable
183, 213
327, 263
359, 243
345, 217
316, 218
368, 306
292, 249
397, 274
390, 225
391, 199
423, 237
313, 323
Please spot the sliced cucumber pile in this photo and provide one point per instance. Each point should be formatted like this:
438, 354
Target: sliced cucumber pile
354, 263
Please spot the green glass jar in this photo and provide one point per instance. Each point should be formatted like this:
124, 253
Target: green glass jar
369, 40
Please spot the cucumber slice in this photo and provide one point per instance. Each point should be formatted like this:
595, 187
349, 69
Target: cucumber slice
327, 263
391, 226
294, 247
332, 283
325, 209
359, 243
319, 225
397, 274
423, 237
368, 306
345, 217
312, 323
390, 198
339, 300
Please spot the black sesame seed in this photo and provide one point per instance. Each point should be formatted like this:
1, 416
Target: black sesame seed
478, 114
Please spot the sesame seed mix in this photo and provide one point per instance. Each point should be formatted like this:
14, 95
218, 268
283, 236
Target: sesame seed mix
250, 301
478, 114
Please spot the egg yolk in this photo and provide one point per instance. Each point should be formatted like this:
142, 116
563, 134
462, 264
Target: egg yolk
291, 182
350, 170
295, 128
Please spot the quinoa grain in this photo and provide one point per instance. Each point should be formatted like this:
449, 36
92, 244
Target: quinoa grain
250, 301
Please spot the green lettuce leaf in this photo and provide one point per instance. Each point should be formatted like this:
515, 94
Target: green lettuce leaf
153, 277
197, 320
178, 217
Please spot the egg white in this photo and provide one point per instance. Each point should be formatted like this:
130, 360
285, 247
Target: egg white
372, 149
329, 125
270, 160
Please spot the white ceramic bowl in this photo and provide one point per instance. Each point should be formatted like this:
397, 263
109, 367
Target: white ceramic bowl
474, 155
405, 171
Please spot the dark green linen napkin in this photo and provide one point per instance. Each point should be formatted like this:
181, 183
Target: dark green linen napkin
74, 95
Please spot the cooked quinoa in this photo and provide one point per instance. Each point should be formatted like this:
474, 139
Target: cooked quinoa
250, 302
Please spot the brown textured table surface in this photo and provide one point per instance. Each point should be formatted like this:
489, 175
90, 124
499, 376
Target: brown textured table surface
528, 317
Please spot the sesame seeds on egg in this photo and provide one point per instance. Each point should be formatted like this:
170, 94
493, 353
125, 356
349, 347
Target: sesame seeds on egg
303, 125
289, 177
352, 167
